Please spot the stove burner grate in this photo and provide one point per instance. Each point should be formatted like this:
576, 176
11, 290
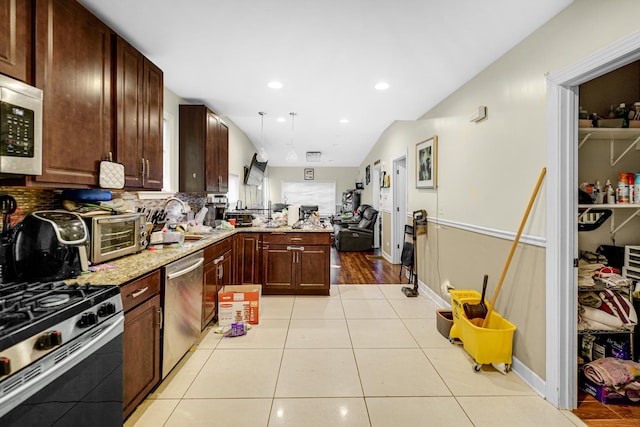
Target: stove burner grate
54, 300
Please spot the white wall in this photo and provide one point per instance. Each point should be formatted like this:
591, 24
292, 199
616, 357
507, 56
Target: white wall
487, 170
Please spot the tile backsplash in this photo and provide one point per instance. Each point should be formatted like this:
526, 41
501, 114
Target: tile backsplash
34, 199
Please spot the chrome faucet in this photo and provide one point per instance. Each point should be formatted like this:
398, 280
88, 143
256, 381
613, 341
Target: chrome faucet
175, 199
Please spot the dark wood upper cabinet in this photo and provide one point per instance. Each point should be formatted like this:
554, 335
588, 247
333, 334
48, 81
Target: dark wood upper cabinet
16, 41
139, 122
73, 57
204, 151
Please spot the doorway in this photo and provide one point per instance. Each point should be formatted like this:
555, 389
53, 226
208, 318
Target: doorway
399, 215
561, 214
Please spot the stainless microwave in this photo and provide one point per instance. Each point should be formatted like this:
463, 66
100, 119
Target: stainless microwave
20, 128
114, 236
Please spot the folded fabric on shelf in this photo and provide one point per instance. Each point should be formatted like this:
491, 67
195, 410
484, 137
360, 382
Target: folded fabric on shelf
597, 315
611, 372
620, 306
590, 299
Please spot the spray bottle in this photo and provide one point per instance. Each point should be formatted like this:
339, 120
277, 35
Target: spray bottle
598, 196
609, 193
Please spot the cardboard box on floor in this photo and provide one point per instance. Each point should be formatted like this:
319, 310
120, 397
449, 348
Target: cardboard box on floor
239, 303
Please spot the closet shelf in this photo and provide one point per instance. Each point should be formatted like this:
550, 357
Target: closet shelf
611, 135
604, 332
585, 209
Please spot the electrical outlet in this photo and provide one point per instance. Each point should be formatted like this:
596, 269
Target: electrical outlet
440, 211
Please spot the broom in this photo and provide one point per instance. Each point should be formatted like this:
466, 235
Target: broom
483, 322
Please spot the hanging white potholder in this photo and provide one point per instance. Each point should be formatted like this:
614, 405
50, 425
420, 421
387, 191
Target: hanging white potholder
111, 175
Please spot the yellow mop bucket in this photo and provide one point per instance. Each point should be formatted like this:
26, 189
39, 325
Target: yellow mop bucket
490, 344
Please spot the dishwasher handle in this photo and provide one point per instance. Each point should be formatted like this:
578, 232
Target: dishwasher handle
186, 270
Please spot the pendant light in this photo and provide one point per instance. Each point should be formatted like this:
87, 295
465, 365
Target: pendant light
291, 154
262, 156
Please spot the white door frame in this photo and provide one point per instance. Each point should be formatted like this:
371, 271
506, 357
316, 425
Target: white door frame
399, 210
561, 214
376, 202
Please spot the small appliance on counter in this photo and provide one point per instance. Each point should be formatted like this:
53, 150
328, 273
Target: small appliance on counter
114, 236
50, 245
243, 218
216, 206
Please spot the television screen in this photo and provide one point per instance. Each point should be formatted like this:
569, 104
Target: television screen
254, 174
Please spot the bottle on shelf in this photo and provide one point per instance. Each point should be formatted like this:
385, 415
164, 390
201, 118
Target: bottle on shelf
621, 113
609, 193
598, 197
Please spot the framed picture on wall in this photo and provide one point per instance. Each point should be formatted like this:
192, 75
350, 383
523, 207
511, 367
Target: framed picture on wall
308, 174
427, 163
367, 174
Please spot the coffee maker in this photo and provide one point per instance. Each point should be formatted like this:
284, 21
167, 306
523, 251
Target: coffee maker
216, 206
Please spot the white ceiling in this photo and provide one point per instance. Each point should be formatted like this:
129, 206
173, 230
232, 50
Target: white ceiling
328, 55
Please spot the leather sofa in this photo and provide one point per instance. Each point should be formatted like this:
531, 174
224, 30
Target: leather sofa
356, 238
354, 220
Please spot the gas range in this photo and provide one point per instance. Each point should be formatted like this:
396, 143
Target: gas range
38, 318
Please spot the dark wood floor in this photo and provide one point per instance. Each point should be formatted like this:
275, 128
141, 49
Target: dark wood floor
361, 268
596, 414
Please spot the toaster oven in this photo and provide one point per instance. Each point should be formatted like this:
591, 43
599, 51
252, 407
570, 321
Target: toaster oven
114, 236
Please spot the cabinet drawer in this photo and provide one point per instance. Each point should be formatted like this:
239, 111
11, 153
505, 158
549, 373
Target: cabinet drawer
217, 249
297, 238
133, 293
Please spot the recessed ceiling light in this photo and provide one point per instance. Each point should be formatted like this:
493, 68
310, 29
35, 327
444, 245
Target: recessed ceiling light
275, 85
281, 119
382, 86
344, 120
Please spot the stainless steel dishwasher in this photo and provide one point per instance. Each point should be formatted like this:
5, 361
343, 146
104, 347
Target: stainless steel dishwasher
182, 308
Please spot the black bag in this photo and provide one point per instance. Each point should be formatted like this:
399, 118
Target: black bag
407, 254
614, 255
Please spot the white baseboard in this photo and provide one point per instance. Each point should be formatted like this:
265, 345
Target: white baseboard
518, 368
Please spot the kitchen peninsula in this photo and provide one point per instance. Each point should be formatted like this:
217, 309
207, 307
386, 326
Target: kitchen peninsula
284, 260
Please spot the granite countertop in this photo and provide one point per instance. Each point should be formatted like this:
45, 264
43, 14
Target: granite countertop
133, 266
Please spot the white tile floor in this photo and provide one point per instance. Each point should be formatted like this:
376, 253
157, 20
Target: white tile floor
365, 356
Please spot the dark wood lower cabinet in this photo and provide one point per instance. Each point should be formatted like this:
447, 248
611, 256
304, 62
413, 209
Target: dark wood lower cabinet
218, 271
141, 339
296, 263
141, 352
247, 255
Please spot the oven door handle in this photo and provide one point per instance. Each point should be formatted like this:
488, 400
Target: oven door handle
186, 270
116, 220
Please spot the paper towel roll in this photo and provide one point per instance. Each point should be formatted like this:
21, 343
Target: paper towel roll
293, 212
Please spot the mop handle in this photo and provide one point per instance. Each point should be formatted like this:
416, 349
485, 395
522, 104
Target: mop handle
485, 323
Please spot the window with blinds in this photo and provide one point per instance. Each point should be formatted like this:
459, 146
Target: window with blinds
318, 193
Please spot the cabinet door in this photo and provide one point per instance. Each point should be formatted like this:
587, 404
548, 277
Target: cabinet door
141, 352
278, 273
153, 125
15, 39
222, 159
248, 259
211, 167
73, 53
313, 267
129, 111
193, 134
209, 293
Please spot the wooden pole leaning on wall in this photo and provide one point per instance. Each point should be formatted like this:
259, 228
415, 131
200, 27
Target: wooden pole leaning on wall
485, 322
